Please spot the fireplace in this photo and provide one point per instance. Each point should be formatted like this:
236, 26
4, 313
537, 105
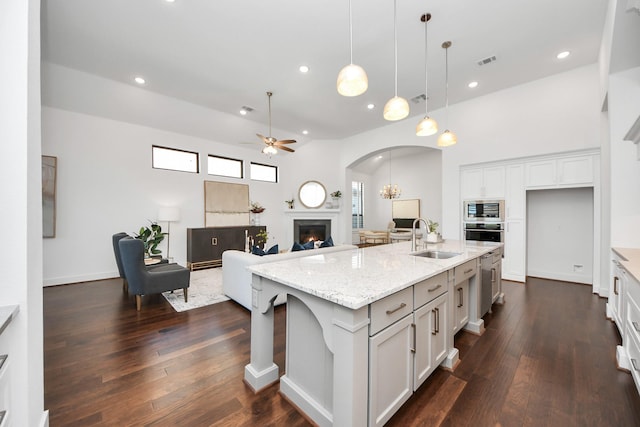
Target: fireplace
305, 230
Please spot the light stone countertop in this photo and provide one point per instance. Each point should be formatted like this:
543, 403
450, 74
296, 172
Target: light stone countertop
358, 277
631, 261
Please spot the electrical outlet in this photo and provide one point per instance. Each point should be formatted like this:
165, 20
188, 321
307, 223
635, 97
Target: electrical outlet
577, 268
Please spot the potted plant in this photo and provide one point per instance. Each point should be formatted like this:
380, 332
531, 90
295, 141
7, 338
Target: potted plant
335, 196
151, 236
256, 209
261, 238
432, 234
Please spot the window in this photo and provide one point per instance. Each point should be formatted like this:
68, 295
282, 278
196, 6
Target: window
260, 172
172, 159
224, 166
357, 204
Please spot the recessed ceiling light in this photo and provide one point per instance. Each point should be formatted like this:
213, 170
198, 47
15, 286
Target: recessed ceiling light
305, 132
304, 69
371, 106
243, 112
563, 55
473, 84
140, 80
169, 1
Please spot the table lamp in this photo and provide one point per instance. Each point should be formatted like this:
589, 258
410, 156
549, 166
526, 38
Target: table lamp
168, 214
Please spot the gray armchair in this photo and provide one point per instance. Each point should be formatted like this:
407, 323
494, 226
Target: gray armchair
116, 250
143, 281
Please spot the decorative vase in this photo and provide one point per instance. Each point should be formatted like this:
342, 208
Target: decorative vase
255, 219
336, 202
432, 237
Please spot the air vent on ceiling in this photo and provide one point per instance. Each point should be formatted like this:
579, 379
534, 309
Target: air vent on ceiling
487, 60
419, 98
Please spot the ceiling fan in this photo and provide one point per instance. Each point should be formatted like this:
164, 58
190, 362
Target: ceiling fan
271, 142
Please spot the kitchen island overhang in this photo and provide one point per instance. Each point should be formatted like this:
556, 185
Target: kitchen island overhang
329, 312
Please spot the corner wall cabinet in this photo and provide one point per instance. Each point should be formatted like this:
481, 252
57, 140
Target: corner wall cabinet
205, 245
570, 171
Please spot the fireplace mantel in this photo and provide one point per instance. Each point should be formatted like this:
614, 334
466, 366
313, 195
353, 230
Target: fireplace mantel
330, 214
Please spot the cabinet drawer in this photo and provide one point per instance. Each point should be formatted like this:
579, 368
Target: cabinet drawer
466, 270
633, 315
632, 289
390, 309
428, 289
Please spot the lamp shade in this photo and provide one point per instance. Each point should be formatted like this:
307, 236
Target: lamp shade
426, 127
447, 139
397, 108
352, 81
168, 213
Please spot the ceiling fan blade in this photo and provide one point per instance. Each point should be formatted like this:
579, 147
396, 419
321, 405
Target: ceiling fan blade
282, 147
264, 138
286, 141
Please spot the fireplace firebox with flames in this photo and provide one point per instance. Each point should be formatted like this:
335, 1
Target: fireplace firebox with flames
306, 230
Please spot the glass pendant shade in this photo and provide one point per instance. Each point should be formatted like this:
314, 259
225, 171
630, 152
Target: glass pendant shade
269, 150
397, 108
426, 127
447, 139
352, 81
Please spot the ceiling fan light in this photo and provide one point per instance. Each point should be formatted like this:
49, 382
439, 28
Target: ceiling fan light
397, 108
447, 139
269, 150
426, 127
352, 81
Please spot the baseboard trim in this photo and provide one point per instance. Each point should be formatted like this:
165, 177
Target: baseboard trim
54, 281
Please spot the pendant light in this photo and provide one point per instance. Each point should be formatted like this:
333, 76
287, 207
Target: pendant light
427, 126
447, 138
352, 79
397, 108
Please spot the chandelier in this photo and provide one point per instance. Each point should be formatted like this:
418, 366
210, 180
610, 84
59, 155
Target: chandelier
390, 191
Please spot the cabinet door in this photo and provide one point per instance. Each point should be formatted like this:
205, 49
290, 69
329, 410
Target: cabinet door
575, 170
513, 267
471, 183
514, 192
493, 182
390, 370
496, 280
460, 299
430, 343
541, 173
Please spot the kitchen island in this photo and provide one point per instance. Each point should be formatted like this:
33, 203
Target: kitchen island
364, 327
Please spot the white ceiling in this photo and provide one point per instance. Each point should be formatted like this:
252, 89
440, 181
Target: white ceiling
226, 54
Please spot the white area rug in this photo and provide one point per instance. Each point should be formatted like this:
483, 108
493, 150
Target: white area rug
205, 288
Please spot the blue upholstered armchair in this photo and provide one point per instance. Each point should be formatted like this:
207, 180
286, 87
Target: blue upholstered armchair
143, 281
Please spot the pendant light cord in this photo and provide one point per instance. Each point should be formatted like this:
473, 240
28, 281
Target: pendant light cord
426, 80
395, 42
350, 35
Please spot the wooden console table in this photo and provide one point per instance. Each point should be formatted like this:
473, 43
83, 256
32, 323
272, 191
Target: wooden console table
205, 245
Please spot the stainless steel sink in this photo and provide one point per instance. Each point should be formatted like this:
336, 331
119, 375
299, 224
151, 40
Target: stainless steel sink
436, 254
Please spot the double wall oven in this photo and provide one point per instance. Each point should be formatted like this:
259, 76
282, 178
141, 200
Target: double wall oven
483, 220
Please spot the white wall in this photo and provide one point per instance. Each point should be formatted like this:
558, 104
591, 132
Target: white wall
551, 115
21, 190
106, 184
624, 109
563, 215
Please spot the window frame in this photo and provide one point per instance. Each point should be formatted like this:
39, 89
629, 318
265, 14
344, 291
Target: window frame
153, 147
226, 158
265, 165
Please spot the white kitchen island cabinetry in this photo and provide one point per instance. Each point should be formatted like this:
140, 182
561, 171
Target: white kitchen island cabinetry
363, 330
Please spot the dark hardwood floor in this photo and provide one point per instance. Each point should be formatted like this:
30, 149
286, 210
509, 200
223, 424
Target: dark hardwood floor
547, 358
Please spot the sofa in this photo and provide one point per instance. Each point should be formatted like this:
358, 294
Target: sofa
236, 279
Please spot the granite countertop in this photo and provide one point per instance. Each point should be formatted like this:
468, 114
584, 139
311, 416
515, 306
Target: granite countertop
7, 313
358, 277
630, 261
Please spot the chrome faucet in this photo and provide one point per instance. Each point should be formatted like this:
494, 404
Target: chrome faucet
413, 232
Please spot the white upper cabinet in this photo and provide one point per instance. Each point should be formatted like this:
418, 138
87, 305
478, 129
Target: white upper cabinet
483, 183
514, 192
574, 171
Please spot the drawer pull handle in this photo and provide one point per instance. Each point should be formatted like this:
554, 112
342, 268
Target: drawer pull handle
214, 241
413, 327
615, 284
435, 288
468, 271
634, 362
461, 292
636, 326
400, 307
493, 275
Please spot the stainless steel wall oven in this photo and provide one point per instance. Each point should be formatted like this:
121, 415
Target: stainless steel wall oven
484, 232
